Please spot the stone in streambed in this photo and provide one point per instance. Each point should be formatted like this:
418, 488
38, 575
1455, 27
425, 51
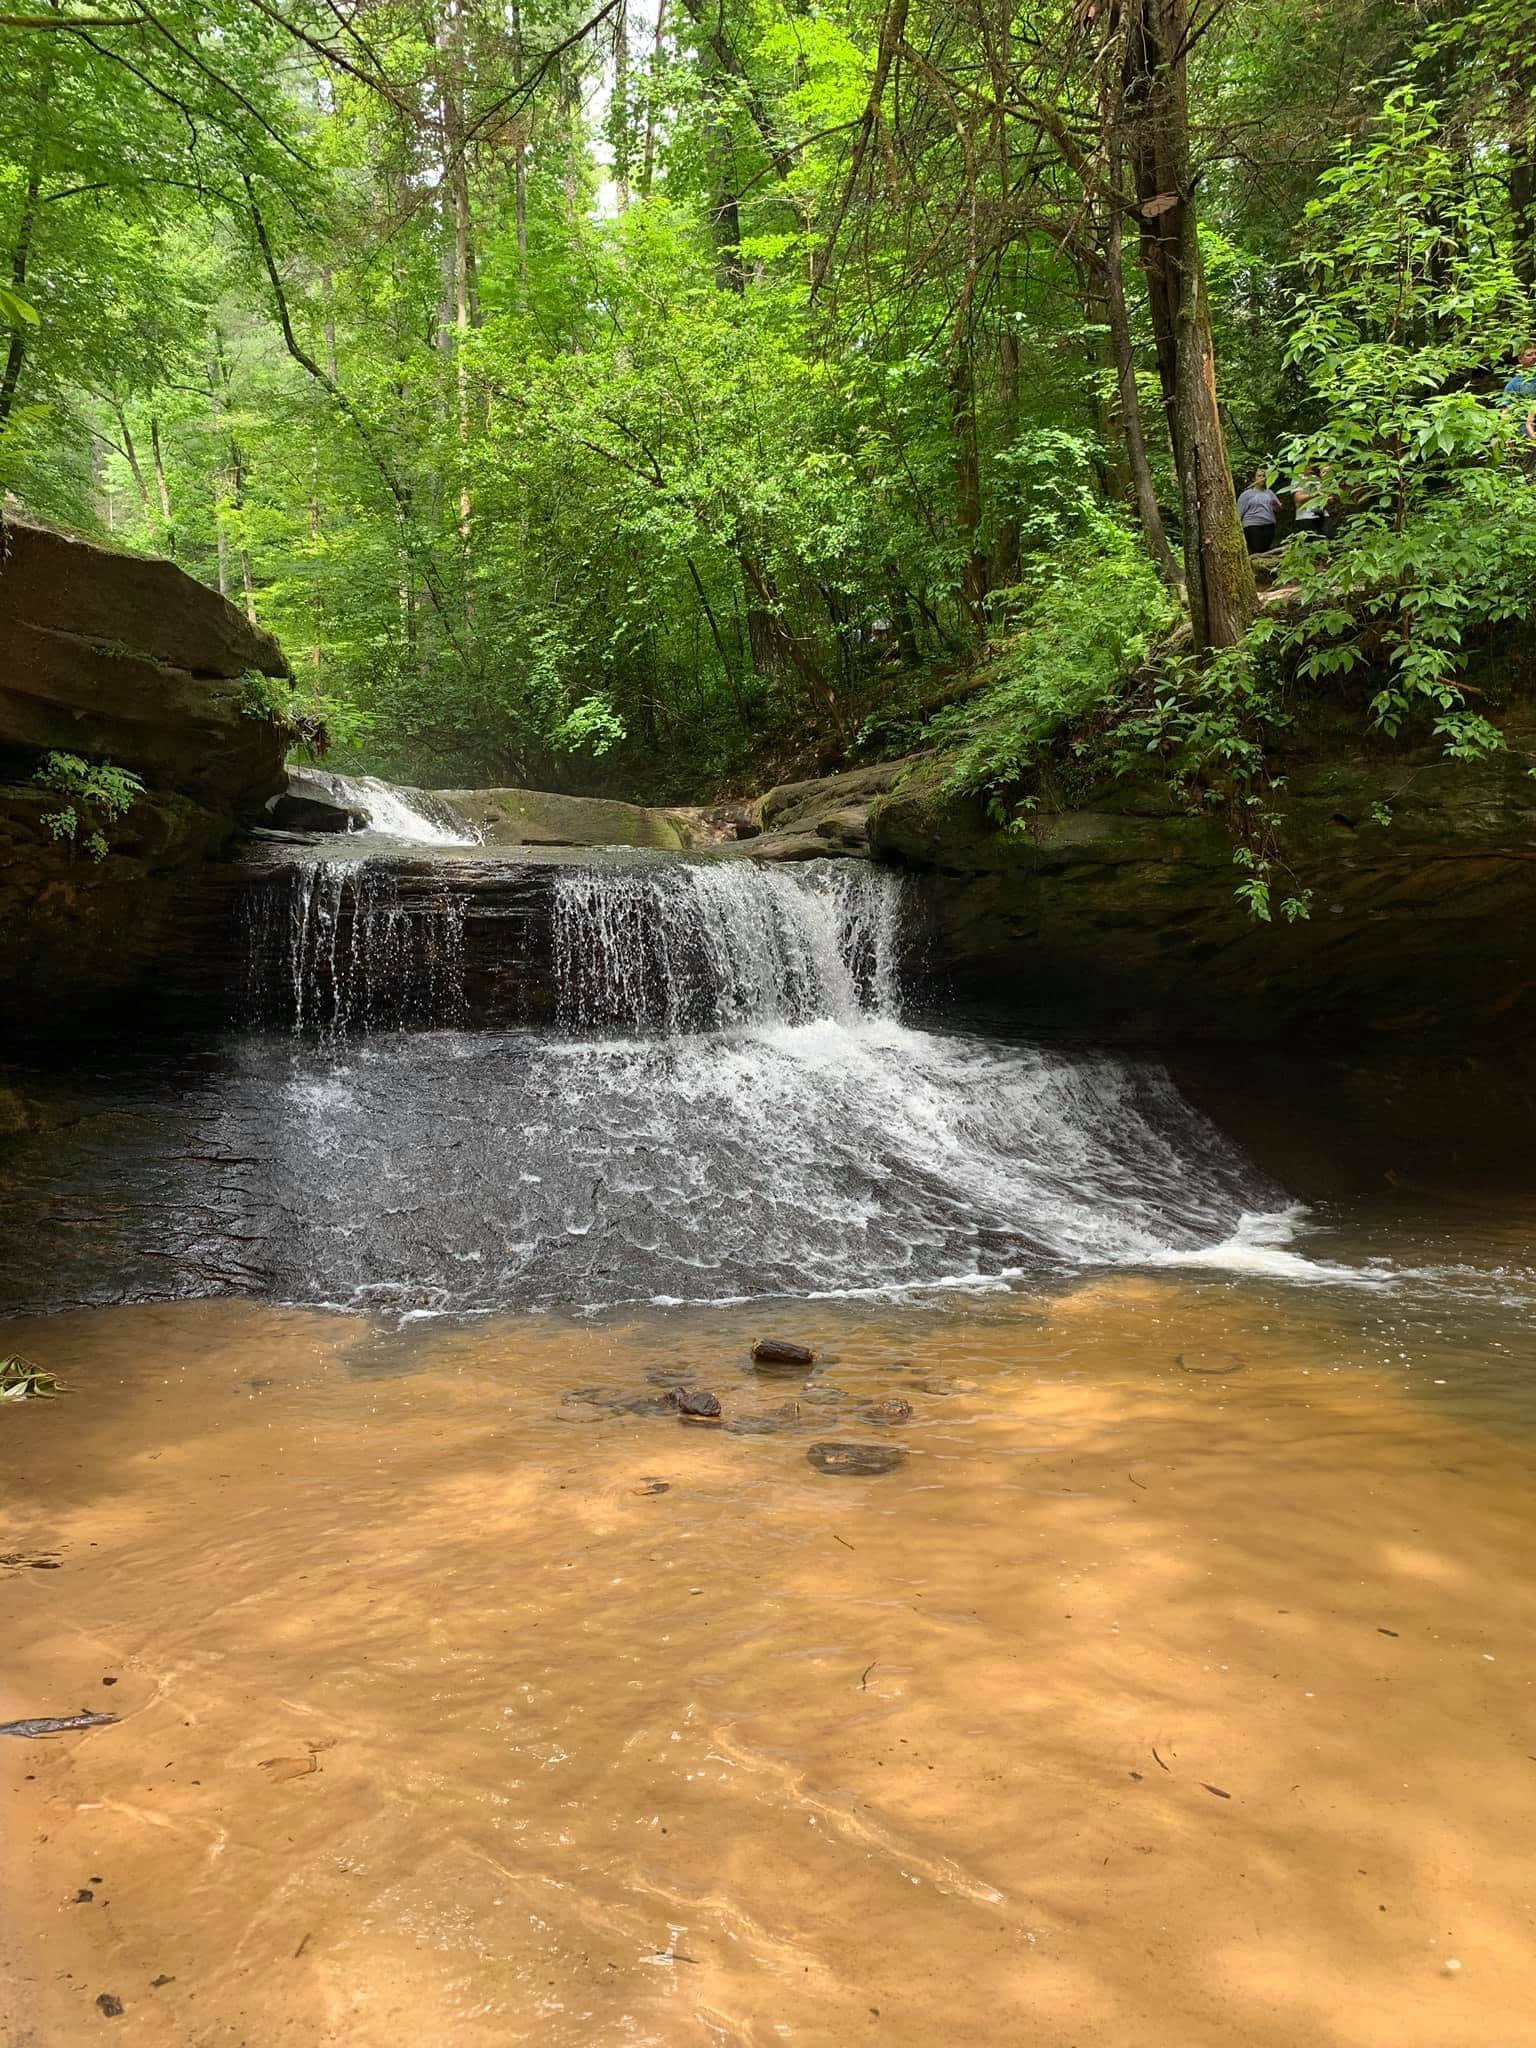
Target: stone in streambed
775, 1354
615, 1401
696, 1404
1210, 1364
854, 1461
786, 1418
894, 1409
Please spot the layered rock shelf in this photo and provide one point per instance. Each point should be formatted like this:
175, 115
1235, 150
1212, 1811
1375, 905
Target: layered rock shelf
116, 658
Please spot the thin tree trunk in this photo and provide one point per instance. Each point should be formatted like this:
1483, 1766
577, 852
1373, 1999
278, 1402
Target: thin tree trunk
236, 476
132, 455
1005, 556
648, 159
162, 488
967, 473
1144, 490
21, 250
621, 109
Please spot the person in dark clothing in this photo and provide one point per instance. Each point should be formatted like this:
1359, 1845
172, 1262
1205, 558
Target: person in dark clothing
1258, 512
1520, 393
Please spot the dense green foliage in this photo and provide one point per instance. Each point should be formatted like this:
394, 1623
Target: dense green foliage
592, 397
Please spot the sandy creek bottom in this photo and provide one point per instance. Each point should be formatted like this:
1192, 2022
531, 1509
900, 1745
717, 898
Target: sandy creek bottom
1141, 1705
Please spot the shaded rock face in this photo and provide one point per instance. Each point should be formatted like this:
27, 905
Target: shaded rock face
532, 817
1116, 911
115, 657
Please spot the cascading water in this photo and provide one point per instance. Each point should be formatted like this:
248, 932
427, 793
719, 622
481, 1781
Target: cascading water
730, 1105
415, 817
695, 947
331, 949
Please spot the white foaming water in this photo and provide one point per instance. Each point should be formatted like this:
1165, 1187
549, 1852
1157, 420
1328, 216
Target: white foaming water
690, 946
416, 817
730, 1106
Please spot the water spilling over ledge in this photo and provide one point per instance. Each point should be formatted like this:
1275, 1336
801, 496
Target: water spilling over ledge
723, 1101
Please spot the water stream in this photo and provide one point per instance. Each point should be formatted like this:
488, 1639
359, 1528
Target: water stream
1166, 1684
730, 1104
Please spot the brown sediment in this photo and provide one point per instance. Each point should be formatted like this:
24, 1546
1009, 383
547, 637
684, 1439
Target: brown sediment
443, 1721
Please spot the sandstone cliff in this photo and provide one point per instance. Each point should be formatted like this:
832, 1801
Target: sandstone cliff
115, 658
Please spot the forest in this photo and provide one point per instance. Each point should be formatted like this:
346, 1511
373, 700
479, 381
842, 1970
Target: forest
653, 396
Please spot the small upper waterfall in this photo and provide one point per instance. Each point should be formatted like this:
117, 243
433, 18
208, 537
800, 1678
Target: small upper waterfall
416, 817
632, 944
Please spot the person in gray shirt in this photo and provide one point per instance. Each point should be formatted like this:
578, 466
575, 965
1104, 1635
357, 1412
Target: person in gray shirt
1258, 512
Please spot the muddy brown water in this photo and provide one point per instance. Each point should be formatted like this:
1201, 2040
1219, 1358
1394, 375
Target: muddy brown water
1173, 1692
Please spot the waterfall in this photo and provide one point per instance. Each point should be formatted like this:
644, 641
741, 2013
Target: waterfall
730, 1102
707, 946
417, 817
331, 950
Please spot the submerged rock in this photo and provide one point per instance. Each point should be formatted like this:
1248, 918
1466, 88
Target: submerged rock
696, 1404
1211, 1364
776, 1354
893, 1409
855, 1461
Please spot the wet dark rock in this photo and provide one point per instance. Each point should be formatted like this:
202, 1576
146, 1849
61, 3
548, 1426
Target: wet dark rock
854, 1461
893, 1409
116, 657
1114, 904
310, 804
84, 1897
619, 1401
109, 2007
775, 1354
779, 1423
697, 1404
1211, 1364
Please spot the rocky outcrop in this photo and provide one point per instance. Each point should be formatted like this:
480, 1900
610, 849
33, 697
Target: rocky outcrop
311, 802
1114, 907
533, 817
111, 657
830, 817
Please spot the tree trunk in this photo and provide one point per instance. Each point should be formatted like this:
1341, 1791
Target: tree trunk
464, 285
967, 472
1217, 571
1005, 555
621, 108
648, 158
21, 250
236, 496
132, 456
1143, 489
162, 488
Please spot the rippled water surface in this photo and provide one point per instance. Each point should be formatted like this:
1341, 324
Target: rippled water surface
1120, 1634
1172, 1688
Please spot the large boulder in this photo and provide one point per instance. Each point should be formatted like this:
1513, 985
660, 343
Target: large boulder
536, 817
116, 658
